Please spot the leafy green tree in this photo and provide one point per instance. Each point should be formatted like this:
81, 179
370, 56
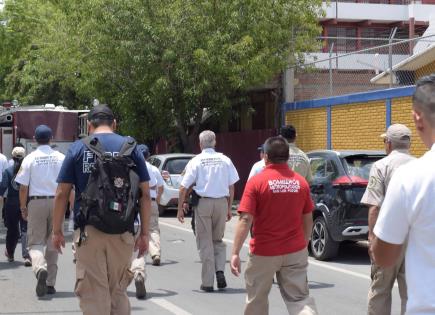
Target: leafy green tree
163, 63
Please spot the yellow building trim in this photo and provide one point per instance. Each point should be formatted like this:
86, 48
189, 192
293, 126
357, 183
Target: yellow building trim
310, 126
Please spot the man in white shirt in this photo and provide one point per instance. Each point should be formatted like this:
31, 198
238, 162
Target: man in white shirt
214, 176
156, 190
37, 177
259, 165
397, 142
407, 212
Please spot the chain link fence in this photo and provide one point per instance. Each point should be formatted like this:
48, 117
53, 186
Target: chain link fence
352, 65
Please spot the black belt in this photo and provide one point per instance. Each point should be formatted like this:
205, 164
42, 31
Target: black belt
40, 197
153, 199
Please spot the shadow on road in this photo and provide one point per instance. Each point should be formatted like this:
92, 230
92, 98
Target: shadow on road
351, 253
319, 285
159, 293
58, 295
225, 291
10, 265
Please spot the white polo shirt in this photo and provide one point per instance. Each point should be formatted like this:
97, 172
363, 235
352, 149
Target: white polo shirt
4, 164
257, 168
212, 173
39, 171
156, 179
408, 211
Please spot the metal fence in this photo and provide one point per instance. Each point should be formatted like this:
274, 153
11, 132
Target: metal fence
391, 63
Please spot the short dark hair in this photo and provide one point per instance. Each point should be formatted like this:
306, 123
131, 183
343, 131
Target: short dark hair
97, 122
42, 141
277, 150
289, 132
424, 97
101, 115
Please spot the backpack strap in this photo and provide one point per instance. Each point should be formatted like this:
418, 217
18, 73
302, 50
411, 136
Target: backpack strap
128, 147
94, 145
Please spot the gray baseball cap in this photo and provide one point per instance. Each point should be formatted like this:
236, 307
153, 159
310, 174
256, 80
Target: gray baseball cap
397, 133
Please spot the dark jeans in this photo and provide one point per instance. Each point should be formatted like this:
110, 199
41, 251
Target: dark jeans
15, 225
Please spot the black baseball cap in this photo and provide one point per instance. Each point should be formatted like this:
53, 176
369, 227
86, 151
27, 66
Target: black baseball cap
102, 112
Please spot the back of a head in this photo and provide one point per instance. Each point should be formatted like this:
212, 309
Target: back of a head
424, 97
289, 132
43, 134
101, 115
277, 150
207, 139
143, 148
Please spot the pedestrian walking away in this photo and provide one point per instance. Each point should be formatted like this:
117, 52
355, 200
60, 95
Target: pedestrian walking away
278, 205
4, 164
14, 222
215, 176
104, 218
298, 161
138, 263
37, 179
259, 165
397, 141
407, 215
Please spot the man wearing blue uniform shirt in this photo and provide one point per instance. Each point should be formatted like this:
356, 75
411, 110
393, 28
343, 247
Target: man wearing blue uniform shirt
103, 260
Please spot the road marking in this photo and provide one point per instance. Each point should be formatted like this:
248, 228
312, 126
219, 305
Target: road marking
311, 260
174, 309
337, 269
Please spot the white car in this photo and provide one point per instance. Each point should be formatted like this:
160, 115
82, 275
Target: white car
171, 166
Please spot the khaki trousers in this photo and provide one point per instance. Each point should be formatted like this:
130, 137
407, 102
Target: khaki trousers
102, 272
39, 230
379, 297
154, 230
138, 263
210, 218
291, 271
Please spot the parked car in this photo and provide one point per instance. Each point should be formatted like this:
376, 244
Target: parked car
339, 181
170, 166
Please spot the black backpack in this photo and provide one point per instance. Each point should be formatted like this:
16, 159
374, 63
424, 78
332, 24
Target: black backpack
110, 200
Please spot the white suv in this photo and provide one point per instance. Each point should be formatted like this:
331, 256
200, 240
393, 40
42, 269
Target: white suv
171, 166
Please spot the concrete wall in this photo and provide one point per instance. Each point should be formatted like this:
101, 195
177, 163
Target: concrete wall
311, 127
402, 113
352, 121
358, 126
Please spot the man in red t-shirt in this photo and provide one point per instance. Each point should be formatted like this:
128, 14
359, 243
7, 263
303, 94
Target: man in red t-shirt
278, 204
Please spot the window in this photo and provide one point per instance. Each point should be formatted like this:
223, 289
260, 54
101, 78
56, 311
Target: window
176, 166
322, 168
155, 161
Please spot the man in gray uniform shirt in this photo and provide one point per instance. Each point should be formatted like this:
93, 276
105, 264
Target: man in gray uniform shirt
397, 142
298, 161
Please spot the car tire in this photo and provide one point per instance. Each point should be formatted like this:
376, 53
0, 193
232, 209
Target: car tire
162, 210
322, 246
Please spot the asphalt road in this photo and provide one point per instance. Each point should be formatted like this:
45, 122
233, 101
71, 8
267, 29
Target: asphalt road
339, 287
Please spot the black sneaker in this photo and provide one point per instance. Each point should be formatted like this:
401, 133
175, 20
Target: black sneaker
41, 285
51, 289
206, 289
27, 262
141, 292
156, 260
220, 279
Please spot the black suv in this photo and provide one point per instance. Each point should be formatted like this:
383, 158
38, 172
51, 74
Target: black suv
339, 181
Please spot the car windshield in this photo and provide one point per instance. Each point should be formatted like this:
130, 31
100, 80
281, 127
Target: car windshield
360, 165
176, 165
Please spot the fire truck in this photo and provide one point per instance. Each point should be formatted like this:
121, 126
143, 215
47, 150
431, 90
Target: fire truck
18, 123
